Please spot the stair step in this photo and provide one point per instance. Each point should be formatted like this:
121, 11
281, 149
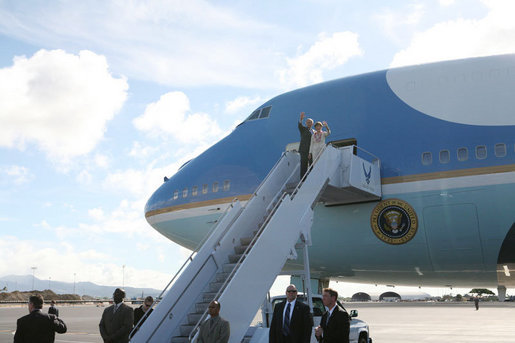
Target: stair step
201, 307
234, 258
186, 329
193, 318
245, 240
228, 267
221, 277
215, 286
240, 249
208, 296
180, 339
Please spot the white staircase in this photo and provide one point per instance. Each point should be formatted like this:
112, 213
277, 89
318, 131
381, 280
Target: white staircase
247, 249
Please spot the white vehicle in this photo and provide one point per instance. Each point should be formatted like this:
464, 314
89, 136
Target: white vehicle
359, 332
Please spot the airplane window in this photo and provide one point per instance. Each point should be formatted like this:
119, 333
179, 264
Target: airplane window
227, 185
500, 150
254, 115
175, 195
185, 192
204, 189
481, 152
427, 158
463, 154
445, 156
215, 186
265, 112
194, 191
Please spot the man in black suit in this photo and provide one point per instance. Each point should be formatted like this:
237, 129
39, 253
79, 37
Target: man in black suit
334, 325
52, 309
291, 321
305, 142
117, 320
38, 327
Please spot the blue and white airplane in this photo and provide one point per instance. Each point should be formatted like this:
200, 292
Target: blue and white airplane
445, 135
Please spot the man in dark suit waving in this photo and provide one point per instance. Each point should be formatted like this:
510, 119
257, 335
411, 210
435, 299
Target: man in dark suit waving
335, 325
291, 321
38, 327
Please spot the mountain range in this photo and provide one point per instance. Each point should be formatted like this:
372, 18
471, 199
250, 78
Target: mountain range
26, 282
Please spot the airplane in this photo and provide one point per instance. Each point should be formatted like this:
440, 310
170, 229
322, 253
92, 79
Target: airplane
445, 135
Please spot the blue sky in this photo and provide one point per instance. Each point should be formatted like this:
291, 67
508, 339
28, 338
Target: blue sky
101, 99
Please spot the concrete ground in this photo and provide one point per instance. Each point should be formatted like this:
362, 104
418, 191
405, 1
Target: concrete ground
389, 322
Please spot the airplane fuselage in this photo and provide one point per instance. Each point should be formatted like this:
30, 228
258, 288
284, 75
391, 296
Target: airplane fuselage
445, 135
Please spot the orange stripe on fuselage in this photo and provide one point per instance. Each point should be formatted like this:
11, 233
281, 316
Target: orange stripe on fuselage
384, 181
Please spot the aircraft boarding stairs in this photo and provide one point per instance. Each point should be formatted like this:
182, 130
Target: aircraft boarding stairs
246, 250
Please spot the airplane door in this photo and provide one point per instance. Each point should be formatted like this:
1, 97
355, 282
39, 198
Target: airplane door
453, 237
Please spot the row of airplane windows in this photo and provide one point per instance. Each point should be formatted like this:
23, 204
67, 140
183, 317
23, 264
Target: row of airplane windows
205, 189
462, 154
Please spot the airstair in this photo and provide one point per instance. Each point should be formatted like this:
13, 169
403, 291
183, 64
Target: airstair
241, 258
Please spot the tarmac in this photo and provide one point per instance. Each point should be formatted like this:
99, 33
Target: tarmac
389, 322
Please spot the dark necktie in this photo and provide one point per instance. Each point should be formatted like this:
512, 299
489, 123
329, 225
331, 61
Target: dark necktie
286, 324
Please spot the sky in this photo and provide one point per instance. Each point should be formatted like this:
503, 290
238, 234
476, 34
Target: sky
99, 100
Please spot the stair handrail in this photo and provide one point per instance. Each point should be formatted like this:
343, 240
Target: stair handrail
308, 171
270, 172
234, 270
376, 161
188, 260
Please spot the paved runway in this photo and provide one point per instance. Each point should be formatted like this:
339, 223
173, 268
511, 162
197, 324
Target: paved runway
389, 322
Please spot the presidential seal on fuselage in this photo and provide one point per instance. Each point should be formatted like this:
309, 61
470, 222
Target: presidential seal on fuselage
394, 221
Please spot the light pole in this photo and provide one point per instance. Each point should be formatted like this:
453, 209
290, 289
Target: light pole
123, 276
33, 271
74, 283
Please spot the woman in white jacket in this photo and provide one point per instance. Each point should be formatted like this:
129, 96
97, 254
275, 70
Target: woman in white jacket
318, 140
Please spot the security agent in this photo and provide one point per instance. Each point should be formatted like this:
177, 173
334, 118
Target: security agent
291, 321
38, 327
335, 324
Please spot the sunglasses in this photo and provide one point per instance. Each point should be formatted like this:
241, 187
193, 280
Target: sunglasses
292, 291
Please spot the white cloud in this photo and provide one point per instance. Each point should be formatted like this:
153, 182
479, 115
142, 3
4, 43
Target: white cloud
446, 3
397, 23
217, 44
242, 102
327, 53
96, 213
84, 177
59, 101
142, 151
171, 116
462, 38
89, 264
18, 175
101, 161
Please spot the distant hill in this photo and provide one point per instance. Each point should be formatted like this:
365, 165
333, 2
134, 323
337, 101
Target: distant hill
24, 283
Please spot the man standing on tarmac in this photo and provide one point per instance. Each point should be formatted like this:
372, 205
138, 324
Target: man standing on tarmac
117, 320
38, 327
335, 324
291, 321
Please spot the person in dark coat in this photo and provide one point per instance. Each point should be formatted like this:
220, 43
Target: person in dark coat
305, 142
141, 311
117, 320
52, 309
38, 327
291, 321
335, 323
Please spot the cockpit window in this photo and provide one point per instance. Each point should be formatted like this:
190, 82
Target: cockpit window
265, 112
254, 115
260, 113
